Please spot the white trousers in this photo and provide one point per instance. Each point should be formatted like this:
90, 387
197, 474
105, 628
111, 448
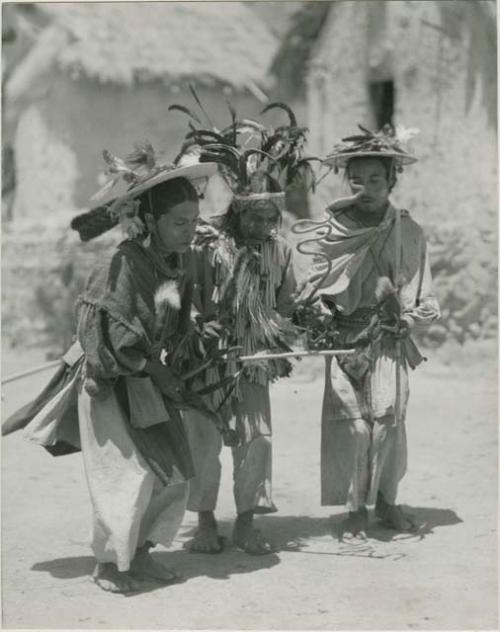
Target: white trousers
130, 505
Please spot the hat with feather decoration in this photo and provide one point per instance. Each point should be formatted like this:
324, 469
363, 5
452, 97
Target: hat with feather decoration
139, 172
387, 143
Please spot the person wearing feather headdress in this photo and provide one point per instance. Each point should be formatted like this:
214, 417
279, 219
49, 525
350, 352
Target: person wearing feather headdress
118, 394
247, 285
372, 272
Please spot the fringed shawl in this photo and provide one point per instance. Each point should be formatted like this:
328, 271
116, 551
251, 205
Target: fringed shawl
120, 316
249, 288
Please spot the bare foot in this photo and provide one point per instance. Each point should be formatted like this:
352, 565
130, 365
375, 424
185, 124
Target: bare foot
145, 567
392, 516
109, 578
249, 539
206, 540
355, 525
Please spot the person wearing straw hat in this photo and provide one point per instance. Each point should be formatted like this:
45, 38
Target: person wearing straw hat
372, 271
117, 396
247, 286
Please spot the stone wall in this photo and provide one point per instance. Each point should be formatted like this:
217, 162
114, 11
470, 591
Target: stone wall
44, 266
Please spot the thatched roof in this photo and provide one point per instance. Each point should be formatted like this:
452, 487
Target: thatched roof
460, 20
224, 43
289, 66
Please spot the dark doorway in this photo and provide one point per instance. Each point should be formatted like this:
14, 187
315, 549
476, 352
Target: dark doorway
382, 102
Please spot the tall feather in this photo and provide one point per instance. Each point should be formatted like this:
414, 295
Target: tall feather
185, 110
282, 106
232, 111
200, 105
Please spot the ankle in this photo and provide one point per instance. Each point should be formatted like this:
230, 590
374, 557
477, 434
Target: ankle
143, 549
244, 520
206, 519
381, 502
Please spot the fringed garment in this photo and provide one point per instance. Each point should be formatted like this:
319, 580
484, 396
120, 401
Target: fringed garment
248, 289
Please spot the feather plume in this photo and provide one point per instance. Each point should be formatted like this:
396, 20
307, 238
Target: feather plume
167, 295
142, 158
387, 297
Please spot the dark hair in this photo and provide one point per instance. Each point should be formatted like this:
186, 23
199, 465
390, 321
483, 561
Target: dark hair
387, 163
159, 199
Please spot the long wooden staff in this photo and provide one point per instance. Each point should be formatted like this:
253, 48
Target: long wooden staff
36, 369
397, 282
249, 358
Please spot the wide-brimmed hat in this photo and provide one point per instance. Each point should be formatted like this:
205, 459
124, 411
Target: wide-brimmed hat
136, 174
162, 173
387, 143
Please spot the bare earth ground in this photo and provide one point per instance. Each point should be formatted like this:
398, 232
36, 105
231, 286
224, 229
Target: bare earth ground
445, 579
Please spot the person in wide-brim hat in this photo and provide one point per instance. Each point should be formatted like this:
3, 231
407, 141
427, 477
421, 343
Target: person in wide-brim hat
372, 272
135, 175
113, 398
384, 144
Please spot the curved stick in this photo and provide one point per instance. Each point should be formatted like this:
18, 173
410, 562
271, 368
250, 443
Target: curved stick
308, 226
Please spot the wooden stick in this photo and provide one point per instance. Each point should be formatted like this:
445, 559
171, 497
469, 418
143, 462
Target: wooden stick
36, 369
249, 358
397, 271
294, 354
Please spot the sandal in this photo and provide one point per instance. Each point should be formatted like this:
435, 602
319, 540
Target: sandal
253, 543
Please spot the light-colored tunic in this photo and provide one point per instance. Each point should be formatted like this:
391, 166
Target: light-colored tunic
362, 450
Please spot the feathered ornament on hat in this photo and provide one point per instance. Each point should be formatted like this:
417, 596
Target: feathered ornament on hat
138, 171
249, 154
387, 143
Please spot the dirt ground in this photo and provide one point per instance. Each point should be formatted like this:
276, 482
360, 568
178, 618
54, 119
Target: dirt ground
444, 579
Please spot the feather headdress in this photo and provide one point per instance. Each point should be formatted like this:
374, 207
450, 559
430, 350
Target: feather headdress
250, 155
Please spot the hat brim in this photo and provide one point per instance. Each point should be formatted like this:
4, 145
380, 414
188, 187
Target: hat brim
341, 160
190, 172
195, 171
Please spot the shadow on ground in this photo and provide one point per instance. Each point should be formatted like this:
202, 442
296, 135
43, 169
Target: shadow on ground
291, 533
426, 520
288, 533
188, 565
67, 567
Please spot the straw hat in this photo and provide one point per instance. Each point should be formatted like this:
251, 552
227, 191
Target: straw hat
137, 173
384, 144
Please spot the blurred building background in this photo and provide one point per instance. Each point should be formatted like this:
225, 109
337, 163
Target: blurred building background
81, 77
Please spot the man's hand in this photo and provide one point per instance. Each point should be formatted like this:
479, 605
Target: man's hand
166, 379
401, 331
